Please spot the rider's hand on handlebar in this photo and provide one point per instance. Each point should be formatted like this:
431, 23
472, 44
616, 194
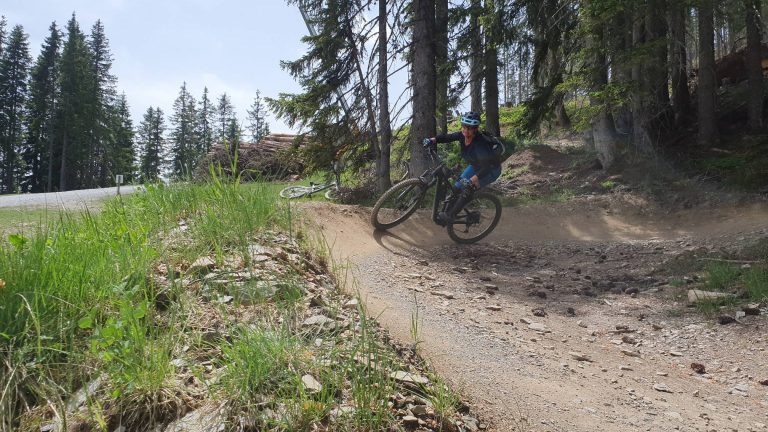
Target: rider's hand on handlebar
427, 142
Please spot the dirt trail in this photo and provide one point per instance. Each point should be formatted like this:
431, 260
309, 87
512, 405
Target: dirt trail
533, 327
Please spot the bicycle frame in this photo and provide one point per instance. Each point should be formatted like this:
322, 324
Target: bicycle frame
439, 176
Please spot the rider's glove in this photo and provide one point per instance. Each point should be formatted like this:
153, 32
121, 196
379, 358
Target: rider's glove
427, 142
466, 183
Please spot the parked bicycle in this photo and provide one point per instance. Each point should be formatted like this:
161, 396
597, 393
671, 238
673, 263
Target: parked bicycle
473, 222
331, 188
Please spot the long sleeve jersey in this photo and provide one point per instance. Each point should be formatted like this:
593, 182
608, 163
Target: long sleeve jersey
479, 154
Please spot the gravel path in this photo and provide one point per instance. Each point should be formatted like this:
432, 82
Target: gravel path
558, 322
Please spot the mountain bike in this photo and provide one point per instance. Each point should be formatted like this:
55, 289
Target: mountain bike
478, 217
331, 188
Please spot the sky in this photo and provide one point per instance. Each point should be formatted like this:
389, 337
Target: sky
232, 46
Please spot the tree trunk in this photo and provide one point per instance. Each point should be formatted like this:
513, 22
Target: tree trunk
604, 138
603, 130
681, 96
491, 69
754, 66
443, 68
708, 135
63, 171
385, 128
658, 77
475, 58
640, 95
424, 80
555, 70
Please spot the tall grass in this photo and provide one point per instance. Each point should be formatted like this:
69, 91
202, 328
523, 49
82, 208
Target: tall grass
76, 294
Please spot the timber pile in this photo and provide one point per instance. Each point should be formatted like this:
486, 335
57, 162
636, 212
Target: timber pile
273, 158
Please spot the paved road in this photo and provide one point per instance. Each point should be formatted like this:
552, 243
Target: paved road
68, 200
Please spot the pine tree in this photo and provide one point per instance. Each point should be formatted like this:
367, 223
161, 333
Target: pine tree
151, 142
42, 109
225, 112
73, 123
205, 123
184, 138
257, 119
14, 92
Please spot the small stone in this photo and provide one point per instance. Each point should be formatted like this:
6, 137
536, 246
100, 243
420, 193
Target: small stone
570, 312
311, 385
662, 388
351, 304
698, 368
726, 319
581, 324
631, 291
403, 376
444, 294
410, 420
675, 354
539, 312
625, 368
540, 328
695, 296
319, 321
628, 340
630, 353
764, 382
579, 356
494, 308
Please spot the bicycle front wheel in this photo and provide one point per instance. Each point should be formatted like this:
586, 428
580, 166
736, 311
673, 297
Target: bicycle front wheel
398, 203
476, 220
295, 192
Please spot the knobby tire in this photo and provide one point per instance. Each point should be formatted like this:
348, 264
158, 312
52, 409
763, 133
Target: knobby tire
407, 196
486, 201
294, 192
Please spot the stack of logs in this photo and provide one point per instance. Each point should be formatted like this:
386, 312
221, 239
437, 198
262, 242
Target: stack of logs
265, 159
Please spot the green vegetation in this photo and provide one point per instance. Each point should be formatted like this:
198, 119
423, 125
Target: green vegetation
608, 184
748, 284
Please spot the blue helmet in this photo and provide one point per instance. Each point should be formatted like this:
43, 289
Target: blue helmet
470, 118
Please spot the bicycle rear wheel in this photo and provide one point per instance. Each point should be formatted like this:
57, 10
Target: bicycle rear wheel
398, 203
295, 191
476, 220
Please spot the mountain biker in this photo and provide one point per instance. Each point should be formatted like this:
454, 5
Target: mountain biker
484, 163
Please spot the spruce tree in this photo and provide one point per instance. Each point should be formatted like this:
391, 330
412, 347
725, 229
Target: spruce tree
124, 152
14, 93
257, 119
151, 142
205, 123
42, 108
225, 112
3, 24
102, 104
184, 136
73, 123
